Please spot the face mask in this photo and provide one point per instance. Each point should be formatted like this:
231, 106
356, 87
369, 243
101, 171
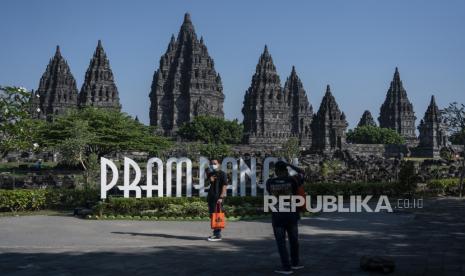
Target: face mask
291, 172
215, 167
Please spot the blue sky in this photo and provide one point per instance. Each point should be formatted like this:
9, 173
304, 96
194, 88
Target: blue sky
352, 45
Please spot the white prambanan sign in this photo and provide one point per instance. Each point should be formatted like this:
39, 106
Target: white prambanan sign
162, 185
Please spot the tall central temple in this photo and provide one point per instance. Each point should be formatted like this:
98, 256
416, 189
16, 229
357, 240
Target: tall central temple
186, 84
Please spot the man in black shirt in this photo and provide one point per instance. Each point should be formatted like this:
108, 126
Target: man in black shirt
286, 222
218, 185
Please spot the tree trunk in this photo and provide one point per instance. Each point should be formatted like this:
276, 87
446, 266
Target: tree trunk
462, 175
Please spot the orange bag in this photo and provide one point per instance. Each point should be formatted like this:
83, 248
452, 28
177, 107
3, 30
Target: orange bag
301, 192
218, 220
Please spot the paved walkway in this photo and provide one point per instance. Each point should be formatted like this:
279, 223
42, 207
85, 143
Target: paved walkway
428, 241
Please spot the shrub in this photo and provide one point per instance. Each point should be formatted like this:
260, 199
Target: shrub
22, 200
443, 186
195, 209
39, 199
170, 207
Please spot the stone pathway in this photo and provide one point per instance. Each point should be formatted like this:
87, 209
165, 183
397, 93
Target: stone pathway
428, 241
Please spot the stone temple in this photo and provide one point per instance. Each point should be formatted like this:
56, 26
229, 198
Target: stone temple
433, 135
57, 90
366, 120
58, 93
99, 88
273, 114
186, 83
397, 111
329, 125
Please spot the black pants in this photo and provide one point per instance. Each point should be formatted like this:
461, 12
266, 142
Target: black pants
211, 210
280, 236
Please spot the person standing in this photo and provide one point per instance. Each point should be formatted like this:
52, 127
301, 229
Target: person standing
286, 222
218, 185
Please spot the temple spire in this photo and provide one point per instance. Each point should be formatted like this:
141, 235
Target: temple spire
265, 101
328, 90
187, 18
433, 101
301, 112
293, 72
433, 134
57, 90
187, 31
366, 120
397, 111
58, 52
99, 88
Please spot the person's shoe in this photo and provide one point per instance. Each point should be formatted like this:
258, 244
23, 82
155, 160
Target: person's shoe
284, 271
214, 238
297, 267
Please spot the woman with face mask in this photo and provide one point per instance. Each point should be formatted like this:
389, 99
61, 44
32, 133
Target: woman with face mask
218, 184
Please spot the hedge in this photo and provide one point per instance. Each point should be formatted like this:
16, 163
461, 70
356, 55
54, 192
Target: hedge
177, 206
62, 199
39, 199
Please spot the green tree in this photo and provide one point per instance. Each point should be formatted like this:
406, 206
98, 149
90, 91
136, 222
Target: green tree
17, 129
290, 149
454, 117
457, 138
101, 131
208, 129
374, 135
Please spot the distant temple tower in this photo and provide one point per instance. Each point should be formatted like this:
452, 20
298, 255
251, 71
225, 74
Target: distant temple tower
265, 109
397, 111
99, 89
366, 120
186, 84
301, 112
329, 125
433, 135
57, 90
